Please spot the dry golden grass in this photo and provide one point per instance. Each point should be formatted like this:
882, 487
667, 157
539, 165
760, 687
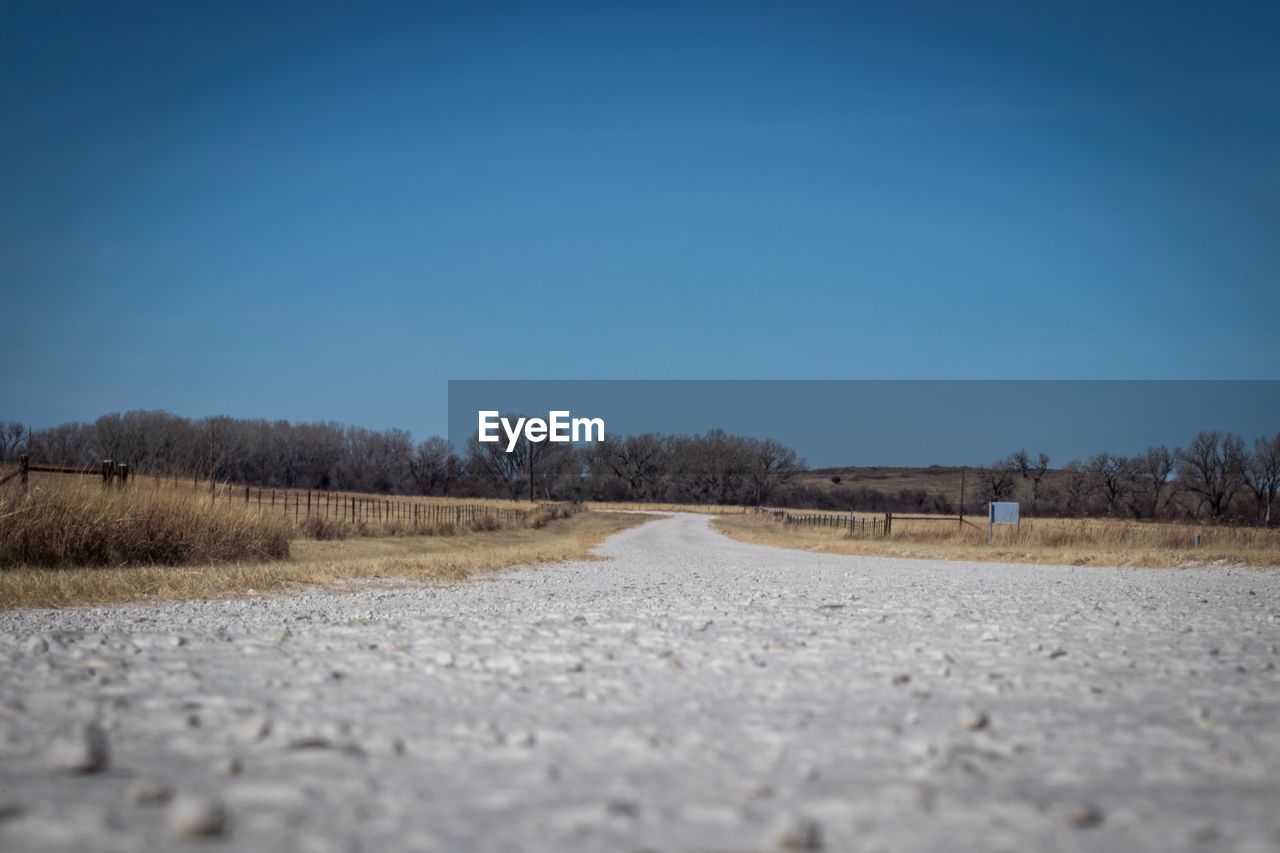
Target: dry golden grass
315, 514
1079, 542
80, 522
316, 563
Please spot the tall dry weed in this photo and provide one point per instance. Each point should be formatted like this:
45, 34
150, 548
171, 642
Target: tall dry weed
87, 524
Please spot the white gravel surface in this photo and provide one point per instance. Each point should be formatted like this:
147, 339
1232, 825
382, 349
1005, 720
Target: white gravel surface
692, 693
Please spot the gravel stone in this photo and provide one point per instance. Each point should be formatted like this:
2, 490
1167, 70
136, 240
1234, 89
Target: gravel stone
252, 730
81, 749
147, 792
382, 745
229, 766
1084, 816
191, 815
799, 833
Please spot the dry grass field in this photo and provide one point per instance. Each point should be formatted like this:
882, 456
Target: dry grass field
149, 514
69, 540
1078, 542
76, 521
318, 563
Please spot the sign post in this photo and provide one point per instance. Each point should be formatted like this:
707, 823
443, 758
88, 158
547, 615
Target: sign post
1002, 512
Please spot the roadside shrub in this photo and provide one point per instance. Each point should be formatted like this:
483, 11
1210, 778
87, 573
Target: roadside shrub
317, 527
537, 518
485, 523
84, 524
544, 513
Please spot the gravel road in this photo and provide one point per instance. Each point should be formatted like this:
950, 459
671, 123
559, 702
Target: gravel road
691, 693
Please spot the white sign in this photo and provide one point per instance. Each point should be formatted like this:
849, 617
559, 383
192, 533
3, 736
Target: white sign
1004, 512
1001, 512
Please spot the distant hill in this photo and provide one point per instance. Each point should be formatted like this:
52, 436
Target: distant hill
935, 479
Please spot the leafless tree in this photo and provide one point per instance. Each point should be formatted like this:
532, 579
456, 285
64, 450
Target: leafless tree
489, 463
1111, 478
435, 467
1077, 489
13, 438
557, 472
1032, 473
709, 467
639, 461
1153, 471
1262, 474
530, 466
67, 444
1211, 469
770, 464
998, 482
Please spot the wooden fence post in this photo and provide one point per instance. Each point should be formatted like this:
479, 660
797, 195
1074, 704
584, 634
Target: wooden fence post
24, 462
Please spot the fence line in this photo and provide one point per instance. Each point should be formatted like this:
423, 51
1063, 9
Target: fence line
301, 505
855, 525
881, 525
358, 509
109, 471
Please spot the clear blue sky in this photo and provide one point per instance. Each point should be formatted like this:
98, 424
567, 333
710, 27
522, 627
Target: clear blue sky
322, 213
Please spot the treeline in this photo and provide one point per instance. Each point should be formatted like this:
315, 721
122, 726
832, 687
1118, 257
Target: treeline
1216, 476
711, 468
258, 452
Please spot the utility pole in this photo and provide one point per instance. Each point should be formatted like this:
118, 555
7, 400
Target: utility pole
961, 497
210, 457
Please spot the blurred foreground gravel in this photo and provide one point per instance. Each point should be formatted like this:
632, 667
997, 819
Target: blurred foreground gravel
692, 693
